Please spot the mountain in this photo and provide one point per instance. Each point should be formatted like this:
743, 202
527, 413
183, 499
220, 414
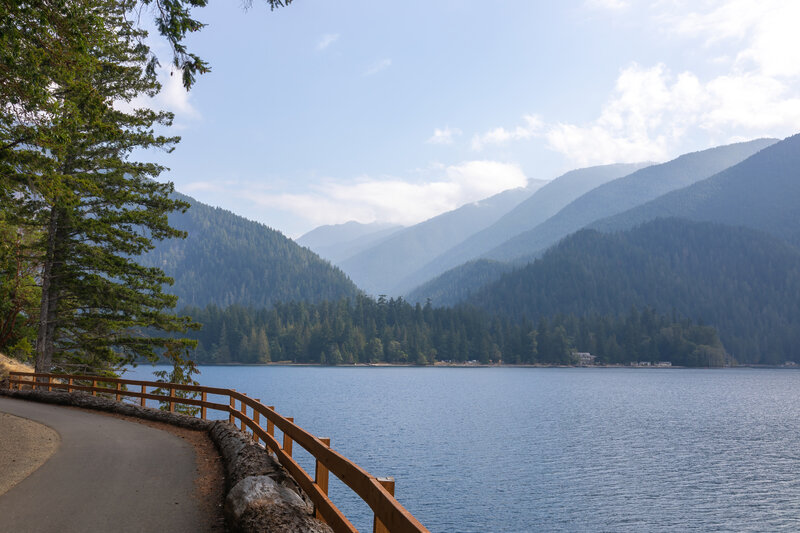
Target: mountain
458, 283
340, 241
761, 192
744, 282
381, 269
623, 194
227, 259
543, 204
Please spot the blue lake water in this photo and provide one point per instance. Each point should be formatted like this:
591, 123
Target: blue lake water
531, 449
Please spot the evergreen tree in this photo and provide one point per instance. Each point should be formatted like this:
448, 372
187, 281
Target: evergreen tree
71, 178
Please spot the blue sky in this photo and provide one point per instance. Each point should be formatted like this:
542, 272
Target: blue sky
324, 112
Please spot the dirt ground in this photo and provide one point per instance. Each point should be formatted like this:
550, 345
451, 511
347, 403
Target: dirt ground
24, 446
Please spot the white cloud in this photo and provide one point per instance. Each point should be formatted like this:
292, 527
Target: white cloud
395, 200
766, 31
173, 97
444, 136
652, 110
501, 135
378, 66
326, 40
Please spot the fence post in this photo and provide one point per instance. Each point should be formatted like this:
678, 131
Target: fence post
119, 387
257, 421
231, 419
49, 381
321, 477
388, 484
287, 440
143, 401
94, 385
69, 385
270, 424
203, 397
243, 410
171, 403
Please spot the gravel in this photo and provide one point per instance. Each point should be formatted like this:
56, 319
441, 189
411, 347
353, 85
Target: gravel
24, 446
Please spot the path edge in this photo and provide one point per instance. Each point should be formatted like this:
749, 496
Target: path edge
260, 495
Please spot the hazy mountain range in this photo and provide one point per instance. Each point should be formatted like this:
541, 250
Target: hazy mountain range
538, 207
383, 268
340, 241
710, 236
606, 200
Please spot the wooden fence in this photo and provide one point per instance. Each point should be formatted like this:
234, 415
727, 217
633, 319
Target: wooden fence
378, 493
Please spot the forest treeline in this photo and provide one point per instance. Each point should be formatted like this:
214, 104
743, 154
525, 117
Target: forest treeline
363, 330
742, 281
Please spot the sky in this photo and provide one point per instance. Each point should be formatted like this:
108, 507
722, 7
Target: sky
324, 112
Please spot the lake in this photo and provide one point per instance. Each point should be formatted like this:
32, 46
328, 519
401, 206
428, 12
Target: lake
561, 449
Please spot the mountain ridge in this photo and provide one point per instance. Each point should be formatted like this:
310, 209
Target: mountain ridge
535, 209
624, 193
380, 269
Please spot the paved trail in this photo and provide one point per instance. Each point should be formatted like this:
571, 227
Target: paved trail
106, 475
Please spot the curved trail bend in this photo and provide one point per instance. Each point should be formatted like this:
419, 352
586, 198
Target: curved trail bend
107, 474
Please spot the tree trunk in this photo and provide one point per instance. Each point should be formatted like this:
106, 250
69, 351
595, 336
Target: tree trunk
44, 338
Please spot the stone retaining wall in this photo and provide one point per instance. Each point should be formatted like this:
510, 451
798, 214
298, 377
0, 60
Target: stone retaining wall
260, 493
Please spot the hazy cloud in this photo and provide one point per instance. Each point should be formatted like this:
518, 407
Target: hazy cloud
395, 200
501, 135
444, 136
326, 40
378, 66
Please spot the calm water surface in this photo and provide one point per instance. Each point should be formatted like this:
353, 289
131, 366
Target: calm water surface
515, 450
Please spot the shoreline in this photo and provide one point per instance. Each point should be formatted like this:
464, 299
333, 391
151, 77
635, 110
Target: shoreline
479, 365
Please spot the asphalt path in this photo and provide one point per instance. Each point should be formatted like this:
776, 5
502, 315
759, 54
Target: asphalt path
107, 474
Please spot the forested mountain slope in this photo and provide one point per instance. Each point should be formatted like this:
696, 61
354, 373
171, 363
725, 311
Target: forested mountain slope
458, 283
625, 193
380, 269
227, 259
761, 192
338, 242
744, 282
543, 204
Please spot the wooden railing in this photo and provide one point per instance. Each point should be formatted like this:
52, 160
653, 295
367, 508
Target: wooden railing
378, 493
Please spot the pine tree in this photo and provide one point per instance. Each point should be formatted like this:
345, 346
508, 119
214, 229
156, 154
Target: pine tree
69, 175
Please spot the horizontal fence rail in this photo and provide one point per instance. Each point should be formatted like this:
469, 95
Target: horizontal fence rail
250, 413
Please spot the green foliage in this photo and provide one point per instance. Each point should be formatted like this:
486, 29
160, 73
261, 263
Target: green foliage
393, 331
68, 180
174, 20
743, 282
457, 284
228, 259
183, 370
19, 292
